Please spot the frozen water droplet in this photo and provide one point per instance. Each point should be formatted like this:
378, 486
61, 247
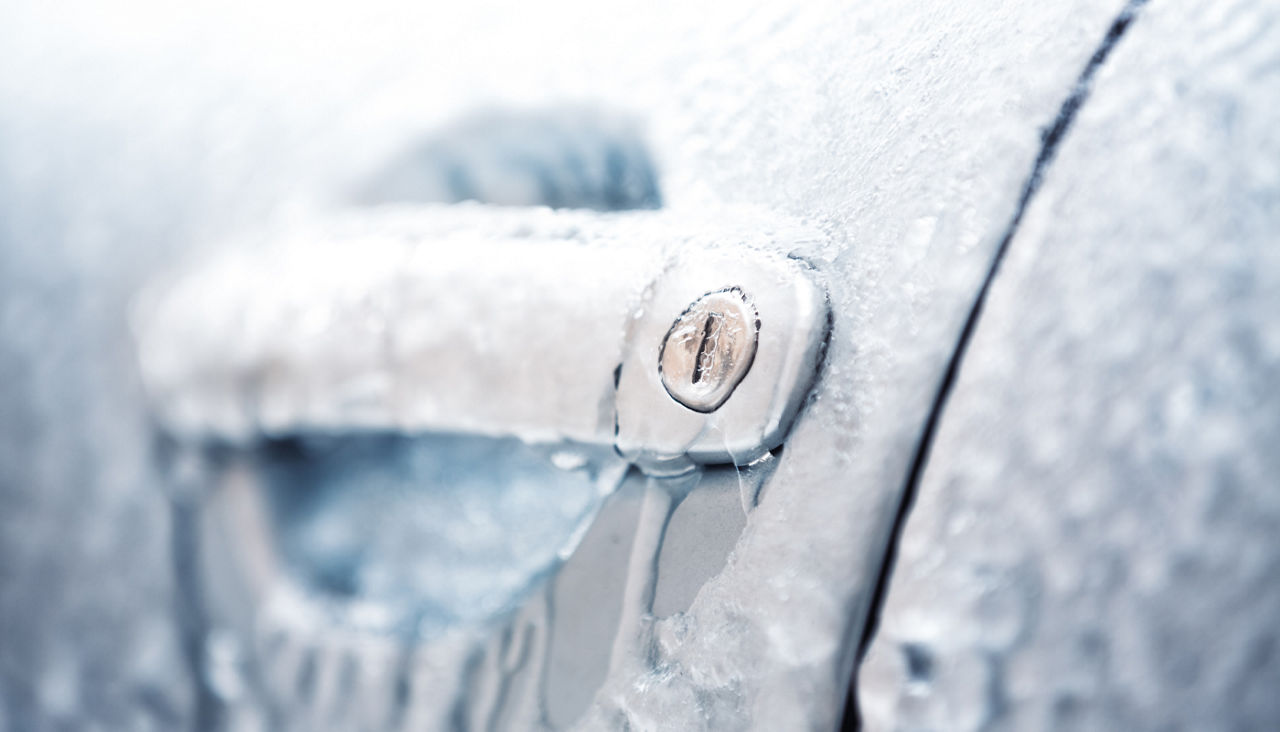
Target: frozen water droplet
568, 460
222, 668
751, 480
919, 662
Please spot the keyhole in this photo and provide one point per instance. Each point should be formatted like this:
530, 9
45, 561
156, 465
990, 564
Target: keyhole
709, 349
699, 366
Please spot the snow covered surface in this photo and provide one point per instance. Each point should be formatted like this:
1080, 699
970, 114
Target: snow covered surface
1094, 544
135, 137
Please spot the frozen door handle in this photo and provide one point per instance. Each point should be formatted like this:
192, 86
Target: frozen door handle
548, 326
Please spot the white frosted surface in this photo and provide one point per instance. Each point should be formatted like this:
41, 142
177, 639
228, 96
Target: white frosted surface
136, 134
1094, 544
480, 320
473, 321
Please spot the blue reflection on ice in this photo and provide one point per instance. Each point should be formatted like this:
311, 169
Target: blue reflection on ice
433, 531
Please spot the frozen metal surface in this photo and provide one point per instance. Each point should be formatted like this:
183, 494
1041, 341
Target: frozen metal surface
789, 322
464, 319
1094, 543
709, 349
902, 130
769, 642
544, 325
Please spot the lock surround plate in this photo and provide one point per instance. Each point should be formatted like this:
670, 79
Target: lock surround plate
663, 436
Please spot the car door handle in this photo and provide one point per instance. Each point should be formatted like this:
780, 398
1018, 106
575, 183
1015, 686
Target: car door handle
547, 326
